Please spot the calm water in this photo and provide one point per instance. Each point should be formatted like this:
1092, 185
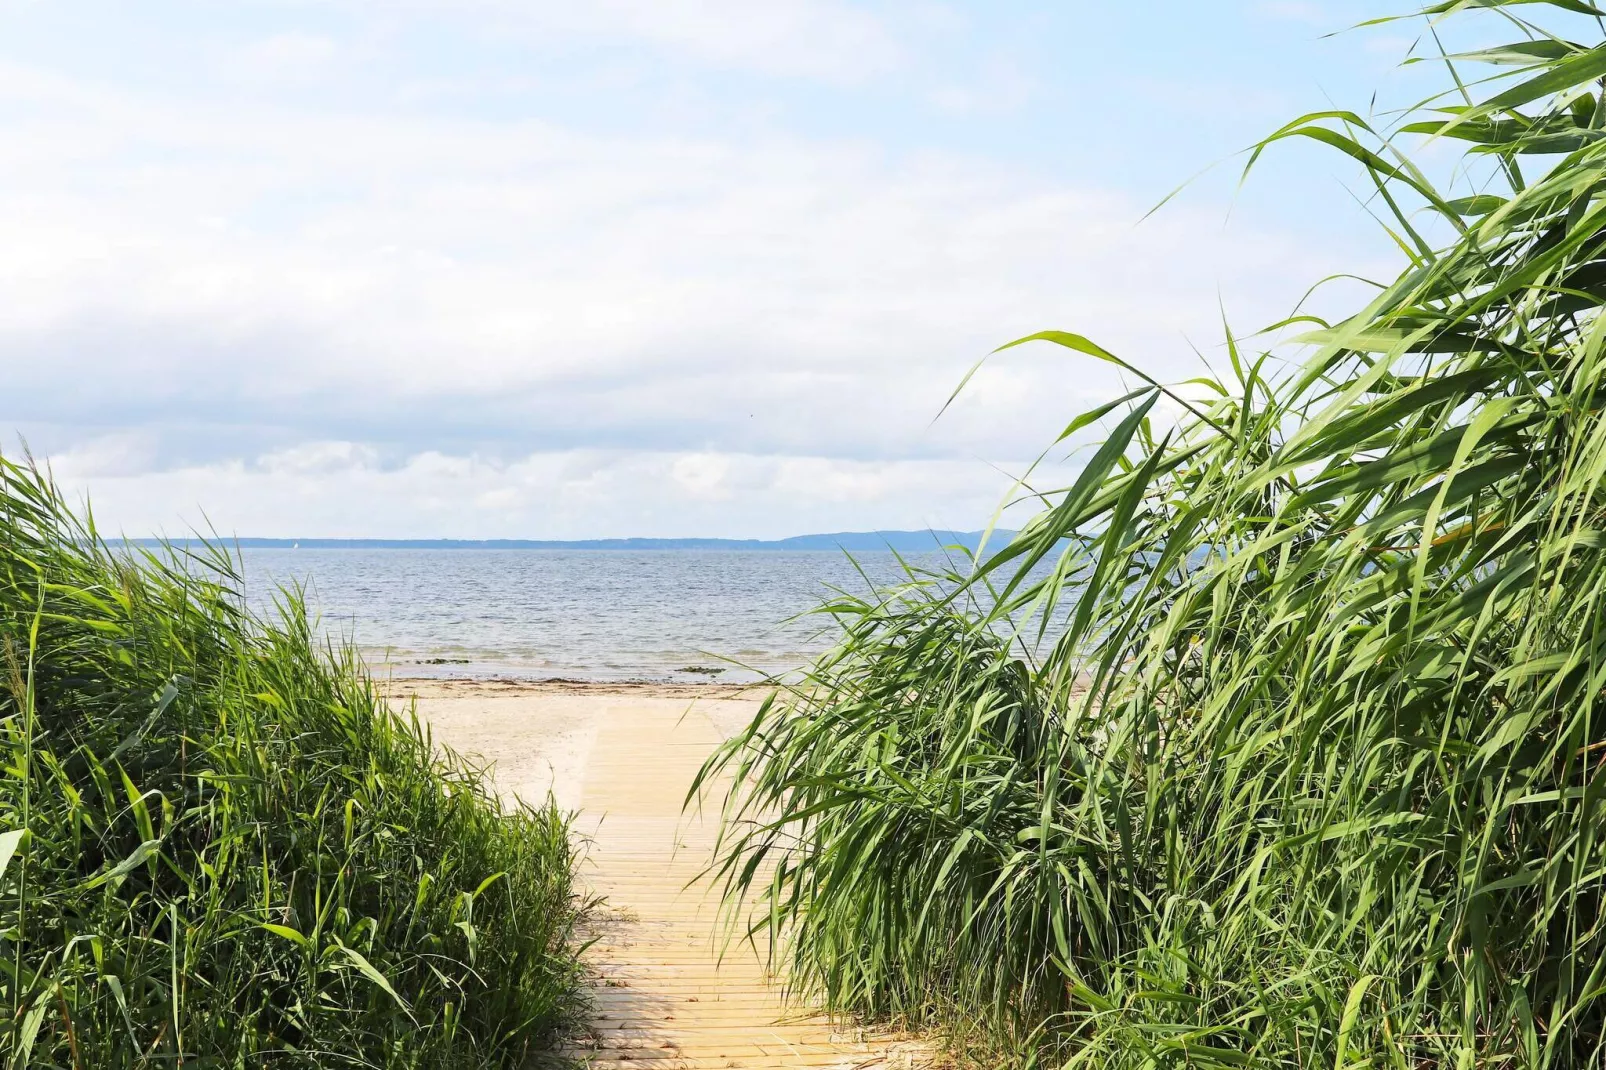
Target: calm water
572, 613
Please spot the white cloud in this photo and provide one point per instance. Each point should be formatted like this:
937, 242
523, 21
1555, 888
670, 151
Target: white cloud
819, 38
560, 494
422, 258
119, 454
703, 475
292, 56
318, 458
829, 40
346, 302
999, 86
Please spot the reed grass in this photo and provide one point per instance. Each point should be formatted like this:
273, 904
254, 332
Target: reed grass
1314, 776
219, 847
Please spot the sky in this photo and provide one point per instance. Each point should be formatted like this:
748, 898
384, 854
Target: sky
532, 269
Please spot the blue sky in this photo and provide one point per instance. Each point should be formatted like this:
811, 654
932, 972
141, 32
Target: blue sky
512, 268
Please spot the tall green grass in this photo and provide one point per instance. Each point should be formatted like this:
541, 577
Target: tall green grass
220, 848
1314, 776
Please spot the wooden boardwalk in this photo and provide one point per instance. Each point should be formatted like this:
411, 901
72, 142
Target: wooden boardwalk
664, 995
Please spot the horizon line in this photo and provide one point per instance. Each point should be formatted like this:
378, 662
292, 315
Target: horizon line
882, 539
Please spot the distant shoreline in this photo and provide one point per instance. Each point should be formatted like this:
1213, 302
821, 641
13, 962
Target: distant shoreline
857, 541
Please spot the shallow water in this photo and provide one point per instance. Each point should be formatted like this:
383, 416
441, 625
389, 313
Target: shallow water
585, 614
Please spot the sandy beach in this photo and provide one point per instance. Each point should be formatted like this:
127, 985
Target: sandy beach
538, 736
667, 994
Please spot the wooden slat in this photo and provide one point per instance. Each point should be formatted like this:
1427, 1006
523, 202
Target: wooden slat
664, 996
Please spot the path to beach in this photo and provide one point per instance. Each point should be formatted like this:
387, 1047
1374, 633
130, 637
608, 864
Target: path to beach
625, 756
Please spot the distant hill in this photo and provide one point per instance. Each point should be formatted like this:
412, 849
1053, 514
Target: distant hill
902, 541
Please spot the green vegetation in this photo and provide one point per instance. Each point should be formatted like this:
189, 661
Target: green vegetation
1315, 775
220, 848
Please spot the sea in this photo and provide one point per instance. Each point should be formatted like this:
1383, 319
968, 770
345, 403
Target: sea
604, 615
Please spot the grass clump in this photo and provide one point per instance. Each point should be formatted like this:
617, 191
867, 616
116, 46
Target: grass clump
1314, 776
221, 848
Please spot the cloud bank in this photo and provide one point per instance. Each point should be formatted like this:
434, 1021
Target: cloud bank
394, 321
